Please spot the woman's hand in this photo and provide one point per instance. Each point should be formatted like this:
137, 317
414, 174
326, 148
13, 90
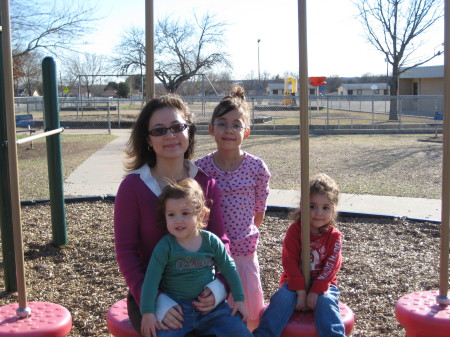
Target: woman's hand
205, 302
173, 319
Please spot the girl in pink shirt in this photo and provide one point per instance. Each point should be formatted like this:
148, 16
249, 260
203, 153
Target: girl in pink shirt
243, 182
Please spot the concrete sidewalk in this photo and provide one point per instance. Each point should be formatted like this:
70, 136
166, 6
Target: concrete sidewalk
102, 173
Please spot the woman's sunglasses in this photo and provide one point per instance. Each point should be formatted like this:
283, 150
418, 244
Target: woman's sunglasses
177, 128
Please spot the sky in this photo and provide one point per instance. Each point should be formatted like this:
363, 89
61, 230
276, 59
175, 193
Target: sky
336, 44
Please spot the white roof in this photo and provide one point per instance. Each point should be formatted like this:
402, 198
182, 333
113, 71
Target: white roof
275, 86
280, 86
424, 72
364, 86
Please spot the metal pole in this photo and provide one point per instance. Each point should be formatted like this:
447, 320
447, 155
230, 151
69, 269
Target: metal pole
40, 135
142, 82
387, 84
304, 139
259, 73
79, 96
23, 310
6, 224
54, 156
328, 113
109, 119
149, 54
118, 112
442, 298
203, 96
373, 111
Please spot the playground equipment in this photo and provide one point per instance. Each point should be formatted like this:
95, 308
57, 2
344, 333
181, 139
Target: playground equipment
427, 313
117, 316
34, 318
117, 320
317, 82
303, 321
290, 90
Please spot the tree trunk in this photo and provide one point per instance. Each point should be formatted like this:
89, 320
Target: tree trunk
393, 112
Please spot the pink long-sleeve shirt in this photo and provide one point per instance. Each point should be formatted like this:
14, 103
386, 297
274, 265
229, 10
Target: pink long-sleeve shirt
243, 192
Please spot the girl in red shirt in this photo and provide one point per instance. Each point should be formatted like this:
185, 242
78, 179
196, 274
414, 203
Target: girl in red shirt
322, 294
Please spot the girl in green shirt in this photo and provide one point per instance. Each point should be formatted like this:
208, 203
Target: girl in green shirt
184, 261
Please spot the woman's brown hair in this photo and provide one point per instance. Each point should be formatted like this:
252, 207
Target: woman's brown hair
137, 149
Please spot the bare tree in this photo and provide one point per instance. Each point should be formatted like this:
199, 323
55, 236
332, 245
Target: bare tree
61, 26
396, 28
130, 51
87, 68
182, 50
333, 82
220, 83
27, 71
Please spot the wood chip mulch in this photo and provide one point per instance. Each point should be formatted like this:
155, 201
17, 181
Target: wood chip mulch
383, 259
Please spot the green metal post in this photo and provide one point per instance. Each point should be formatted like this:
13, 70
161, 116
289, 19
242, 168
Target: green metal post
54, 157
6, 224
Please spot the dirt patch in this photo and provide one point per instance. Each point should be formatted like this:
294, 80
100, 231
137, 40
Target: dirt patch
383, 260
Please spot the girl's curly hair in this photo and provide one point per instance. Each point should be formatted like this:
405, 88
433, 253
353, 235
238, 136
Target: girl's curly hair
189, 189
322, 184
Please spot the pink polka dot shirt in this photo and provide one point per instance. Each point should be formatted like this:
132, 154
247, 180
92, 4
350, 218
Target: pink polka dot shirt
243, 192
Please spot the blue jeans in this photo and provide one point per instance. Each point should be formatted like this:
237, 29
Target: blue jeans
327, 316
219, 322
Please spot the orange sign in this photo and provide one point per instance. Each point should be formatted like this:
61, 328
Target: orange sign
317, 81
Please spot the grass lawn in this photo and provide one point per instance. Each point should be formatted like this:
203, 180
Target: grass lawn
406, 165
33, 167
395, 165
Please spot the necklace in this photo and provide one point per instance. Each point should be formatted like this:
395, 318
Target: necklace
164, 181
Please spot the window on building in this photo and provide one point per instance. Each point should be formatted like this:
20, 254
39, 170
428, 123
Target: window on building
275, 91
350, 92
359, 91
415, 88
376, 92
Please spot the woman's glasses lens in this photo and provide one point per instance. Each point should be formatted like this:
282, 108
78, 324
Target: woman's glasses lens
162, 131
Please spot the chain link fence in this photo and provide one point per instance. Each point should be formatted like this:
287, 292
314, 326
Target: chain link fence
269, 113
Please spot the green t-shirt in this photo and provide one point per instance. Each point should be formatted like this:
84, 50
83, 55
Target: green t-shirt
182, 274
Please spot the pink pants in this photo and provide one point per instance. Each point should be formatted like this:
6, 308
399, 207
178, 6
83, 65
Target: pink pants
248, 269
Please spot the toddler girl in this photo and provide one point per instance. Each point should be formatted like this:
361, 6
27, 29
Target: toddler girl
183, 262
325, 259
243, 182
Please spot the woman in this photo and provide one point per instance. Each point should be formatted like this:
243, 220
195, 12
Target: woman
160, 148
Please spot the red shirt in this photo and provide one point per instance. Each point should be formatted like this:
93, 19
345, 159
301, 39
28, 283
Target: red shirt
325, 259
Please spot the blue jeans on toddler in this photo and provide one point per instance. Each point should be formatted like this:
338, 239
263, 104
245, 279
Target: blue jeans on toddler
327, 316
218, 322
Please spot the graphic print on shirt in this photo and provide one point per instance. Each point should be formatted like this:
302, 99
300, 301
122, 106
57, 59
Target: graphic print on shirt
331, 262
188, 262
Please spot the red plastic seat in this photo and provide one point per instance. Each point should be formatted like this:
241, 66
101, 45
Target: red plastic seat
117, 321
419, 314
301, 323
46, 320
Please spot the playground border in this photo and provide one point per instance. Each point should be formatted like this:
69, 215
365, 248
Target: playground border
270, 208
